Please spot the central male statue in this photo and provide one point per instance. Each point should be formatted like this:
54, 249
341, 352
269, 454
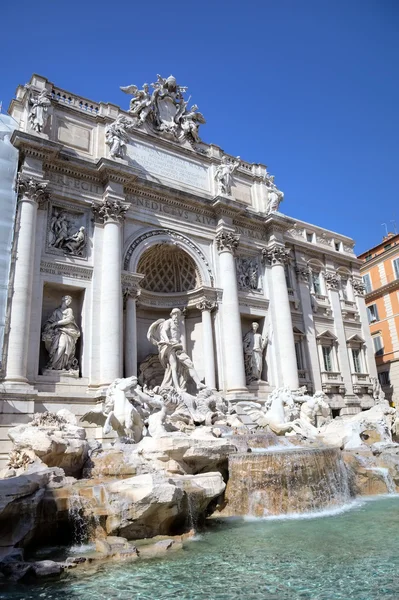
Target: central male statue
179, 368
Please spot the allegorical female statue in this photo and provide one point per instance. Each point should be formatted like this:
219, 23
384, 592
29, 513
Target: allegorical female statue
254, 344
60, 334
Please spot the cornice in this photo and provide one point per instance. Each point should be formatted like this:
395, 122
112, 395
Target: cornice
380, 258
391, 286
34, 145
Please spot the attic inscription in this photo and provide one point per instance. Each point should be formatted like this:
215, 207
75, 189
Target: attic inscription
157, 162
74, 184
173, 211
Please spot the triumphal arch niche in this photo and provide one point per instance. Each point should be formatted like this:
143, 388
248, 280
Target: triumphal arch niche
125, 214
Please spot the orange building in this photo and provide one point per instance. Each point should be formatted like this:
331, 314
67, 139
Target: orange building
380, 273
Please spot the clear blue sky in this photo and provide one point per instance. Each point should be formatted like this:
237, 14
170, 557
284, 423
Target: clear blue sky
308, 87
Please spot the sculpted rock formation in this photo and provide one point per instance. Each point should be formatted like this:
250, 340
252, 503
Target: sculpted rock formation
54, 439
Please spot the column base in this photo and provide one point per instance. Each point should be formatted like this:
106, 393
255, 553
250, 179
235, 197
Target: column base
238, 395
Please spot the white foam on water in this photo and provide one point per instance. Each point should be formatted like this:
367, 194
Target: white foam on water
317, 514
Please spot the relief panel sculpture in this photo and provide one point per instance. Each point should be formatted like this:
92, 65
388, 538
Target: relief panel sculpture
247, 273
66, 232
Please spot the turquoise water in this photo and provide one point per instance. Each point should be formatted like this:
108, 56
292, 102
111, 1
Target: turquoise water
353, 555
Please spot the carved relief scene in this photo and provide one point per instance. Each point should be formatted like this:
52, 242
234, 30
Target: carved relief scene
67, 232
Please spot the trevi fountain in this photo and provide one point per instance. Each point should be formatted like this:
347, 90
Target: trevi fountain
180, 435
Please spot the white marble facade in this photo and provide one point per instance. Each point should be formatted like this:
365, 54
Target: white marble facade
124, 212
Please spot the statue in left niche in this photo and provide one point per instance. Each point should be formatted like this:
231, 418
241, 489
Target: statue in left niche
60, 334
38, 113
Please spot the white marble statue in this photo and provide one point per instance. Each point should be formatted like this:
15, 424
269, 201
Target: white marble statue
378, 393
38, 113
75, 243
275, 196
224, 175
254, 345
190, 122
59, 229
273, 413
118, 412
179, 368
60, 334
116, 137
165, 110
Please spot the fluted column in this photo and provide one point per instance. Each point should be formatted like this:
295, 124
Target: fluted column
112, 213
131, 295
32, 195
277, 256
205, 306
226, 243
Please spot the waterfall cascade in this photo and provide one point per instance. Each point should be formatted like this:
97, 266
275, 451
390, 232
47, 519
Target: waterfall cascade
286, 480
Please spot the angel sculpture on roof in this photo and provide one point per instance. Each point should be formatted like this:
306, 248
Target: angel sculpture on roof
190, 122
142, 102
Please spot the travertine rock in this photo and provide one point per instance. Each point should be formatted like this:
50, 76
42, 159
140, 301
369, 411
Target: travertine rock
55, 439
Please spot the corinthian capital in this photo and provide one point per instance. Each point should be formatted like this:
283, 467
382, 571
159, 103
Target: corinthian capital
205, 304
31, 189
225, 240
277, 255
358, 287
109, 210
332, 281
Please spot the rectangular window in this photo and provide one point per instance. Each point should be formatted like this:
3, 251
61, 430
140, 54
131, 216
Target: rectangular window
369, 257
309, 237
372, 313
327, 358
367, 283
384, 378
299, 356
378, 345
357, 362
396, 268
316, 285
337, 246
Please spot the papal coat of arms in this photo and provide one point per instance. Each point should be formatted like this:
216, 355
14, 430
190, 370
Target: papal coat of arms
165, 110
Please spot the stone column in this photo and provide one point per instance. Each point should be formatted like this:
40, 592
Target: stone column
112, 213
131, 295
332, 283
32, 195
206, 308
359, 291
303, 274
277, 257
226, 243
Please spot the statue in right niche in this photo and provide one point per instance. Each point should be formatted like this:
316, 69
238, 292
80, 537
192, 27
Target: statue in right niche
60, 334
254, 345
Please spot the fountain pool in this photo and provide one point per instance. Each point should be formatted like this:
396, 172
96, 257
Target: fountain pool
350, 554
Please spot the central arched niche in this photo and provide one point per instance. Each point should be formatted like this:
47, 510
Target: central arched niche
168, 269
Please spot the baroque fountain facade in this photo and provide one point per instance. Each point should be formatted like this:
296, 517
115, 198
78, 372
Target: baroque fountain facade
171, 333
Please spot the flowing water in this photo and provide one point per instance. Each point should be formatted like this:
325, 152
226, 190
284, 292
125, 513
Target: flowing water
351, 555
288, 480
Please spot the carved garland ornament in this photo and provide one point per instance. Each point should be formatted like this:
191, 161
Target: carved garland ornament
33, 190
110, 210
225, 240
205, 304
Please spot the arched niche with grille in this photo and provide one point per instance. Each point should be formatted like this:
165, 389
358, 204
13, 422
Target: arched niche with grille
168, 269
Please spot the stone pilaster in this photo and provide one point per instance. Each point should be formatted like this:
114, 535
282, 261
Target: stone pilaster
332, 283
111, 212
303, 274
206, 307
32, 195
277, 256
359, 292
227, 243
130, 296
